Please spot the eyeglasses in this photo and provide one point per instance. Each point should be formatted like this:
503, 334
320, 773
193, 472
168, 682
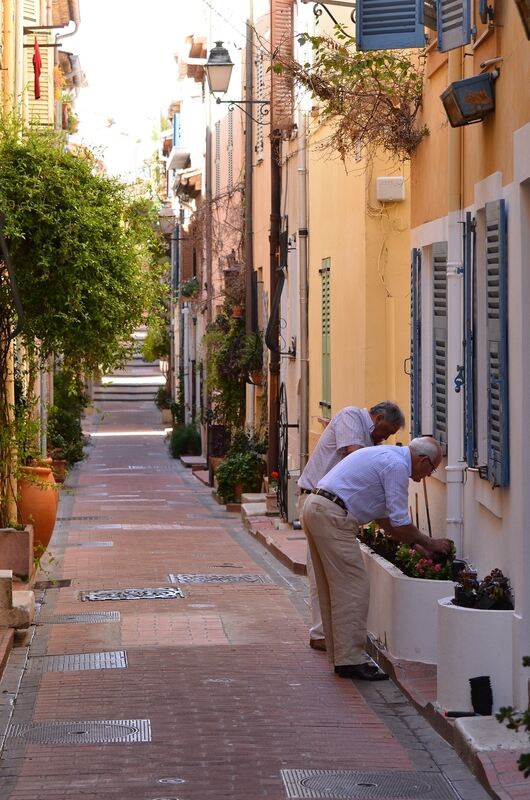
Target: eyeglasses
430, 462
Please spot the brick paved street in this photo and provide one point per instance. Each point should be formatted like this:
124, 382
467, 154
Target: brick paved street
232, 692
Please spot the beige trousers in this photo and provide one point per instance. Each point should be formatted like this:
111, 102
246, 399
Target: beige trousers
316, 631
342, 582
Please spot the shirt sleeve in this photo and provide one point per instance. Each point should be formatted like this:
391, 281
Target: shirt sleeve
349, 430
396, 486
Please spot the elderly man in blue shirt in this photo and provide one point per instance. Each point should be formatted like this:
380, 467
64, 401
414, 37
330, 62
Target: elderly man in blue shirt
369, 484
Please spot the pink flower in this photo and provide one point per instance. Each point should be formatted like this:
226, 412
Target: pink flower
437, 568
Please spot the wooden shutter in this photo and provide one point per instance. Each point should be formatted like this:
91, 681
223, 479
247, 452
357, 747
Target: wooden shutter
415, 344
439, 269
497, 343
470, 438
383, 25
217, 159
453, 23
31, 12
282, 38
41, 111
429, 14
230, 149
325, 402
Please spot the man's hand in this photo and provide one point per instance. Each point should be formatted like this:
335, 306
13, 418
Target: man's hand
441, 546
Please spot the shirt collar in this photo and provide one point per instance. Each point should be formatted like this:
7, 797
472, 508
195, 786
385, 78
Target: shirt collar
368, 421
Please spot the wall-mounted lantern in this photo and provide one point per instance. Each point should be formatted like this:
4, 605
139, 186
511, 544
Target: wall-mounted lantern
471, 99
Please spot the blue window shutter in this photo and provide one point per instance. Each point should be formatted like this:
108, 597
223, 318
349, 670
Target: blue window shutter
429, 14
470, 449
383, 25
497, 343
439, 378
453, 23
415, 344
176, 129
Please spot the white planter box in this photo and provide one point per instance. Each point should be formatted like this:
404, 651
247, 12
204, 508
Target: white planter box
402, 612
473, 642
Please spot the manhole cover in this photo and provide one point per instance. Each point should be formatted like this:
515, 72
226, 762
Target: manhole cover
171, 780
345, 783
60, 583
92, 544
188, 578
163, 593
83, 732
76, 662
82, 619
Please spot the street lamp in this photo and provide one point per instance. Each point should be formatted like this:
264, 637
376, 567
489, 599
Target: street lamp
218, 70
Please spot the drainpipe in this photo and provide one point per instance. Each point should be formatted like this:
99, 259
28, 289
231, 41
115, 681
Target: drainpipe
19, 52
303, 289
186, 363
250, 323
455, 410
273, 328
8, 54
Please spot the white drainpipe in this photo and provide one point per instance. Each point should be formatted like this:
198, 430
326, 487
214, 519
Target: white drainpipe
303, 290
455, 406
186, 364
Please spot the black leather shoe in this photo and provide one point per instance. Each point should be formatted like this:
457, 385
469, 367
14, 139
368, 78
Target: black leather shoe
361, 672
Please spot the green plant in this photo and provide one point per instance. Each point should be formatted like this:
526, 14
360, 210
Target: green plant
494, 592
190, 288
372, 98
252, 352
515, 720
184, 440
163, 398
156, 343
243, 470
65, 434
414, 564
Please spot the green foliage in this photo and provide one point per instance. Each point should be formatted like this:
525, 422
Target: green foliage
514, 721
163, 398
416, 565
156, 344
65, 434
373, 98
185, 440
87, 258
190, 288
243, 470
493, 592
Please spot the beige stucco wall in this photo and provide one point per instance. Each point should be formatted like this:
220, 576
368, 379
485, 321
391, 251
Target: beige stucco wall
368, 244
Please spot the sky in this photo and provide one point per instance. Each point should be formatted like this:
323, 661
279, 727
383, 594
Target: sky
126, 51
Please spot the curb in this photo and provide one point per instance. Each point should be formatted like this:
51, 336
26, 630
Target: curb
7, 637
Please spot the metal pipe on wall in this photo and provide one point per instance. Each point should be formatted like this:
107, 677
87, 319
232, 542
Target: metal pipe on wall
303, 289
250, 323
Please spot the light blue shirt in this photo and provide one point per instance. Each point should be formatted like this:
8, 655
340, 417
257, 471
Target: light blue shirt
373, 483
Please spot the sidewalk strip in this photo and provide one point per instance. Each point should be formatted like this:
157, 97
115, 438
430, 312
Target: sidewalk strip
81, 619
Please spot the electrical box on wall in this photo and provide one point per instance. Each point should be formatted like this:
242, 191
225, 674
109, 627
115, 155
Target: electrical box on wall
390, 190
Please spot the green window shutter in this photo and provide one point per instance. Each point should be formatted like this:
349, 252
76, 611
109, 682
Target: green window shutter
325, 402
439, 379
383, 25
497, 343
453, 24
415, 344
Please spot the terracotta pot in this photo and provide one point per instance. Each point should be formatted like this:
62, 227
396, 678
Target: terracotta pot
59, 469
271, 502
38, 500
167, 416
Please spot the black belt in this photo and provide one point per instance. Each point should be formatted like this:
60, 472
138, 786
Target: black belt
305, 491
329, 496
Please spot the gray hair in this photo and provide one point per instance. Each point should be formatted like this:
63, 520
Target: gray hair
426, 446
390, 411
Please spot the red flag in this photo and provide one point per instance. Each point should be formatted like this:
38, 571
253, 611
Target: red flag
37, 67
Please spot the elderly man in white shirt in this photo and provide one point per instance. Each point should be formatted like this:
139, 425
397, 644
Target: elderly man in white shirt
369, 484
349, 430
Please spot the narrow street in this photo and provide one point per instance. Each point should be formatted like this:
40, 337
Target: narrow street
211, 694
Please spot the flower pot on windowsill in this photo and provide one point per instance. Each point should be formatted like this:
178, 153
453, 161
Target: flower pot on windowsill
271, 502
237, 312
255, 377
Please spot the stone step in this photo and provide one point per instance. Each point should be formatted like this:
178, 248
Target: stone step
17, 608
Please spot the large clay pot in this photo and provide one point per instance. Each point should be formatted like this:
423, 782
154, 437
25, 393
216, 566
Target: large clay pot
37, 501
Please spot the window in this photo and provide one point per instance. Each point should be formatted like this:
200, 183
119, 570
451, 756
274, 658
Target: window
325, 402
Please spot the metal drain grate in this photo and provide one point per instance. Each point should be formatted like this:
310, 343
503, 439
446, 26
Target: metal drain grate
92, 544
60, 583
76, 519
190, 578
346, 783
163, 593
91, 731
82, 619
75, 662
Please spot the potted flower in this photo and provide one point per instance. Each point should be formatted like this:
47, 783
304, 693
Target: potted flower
239, 473
475, 638
164, 402
271, 497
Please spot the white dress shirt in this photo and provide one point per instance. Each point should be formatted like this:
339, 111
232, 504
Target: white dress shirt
373, 483
351, 426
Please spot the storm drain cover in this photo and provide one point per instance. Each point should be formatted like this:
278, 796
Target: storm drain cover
163, 593
346, 783
188, 578
76, 519
60, 583
82, 619
93, 544
76, 662
92, 731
